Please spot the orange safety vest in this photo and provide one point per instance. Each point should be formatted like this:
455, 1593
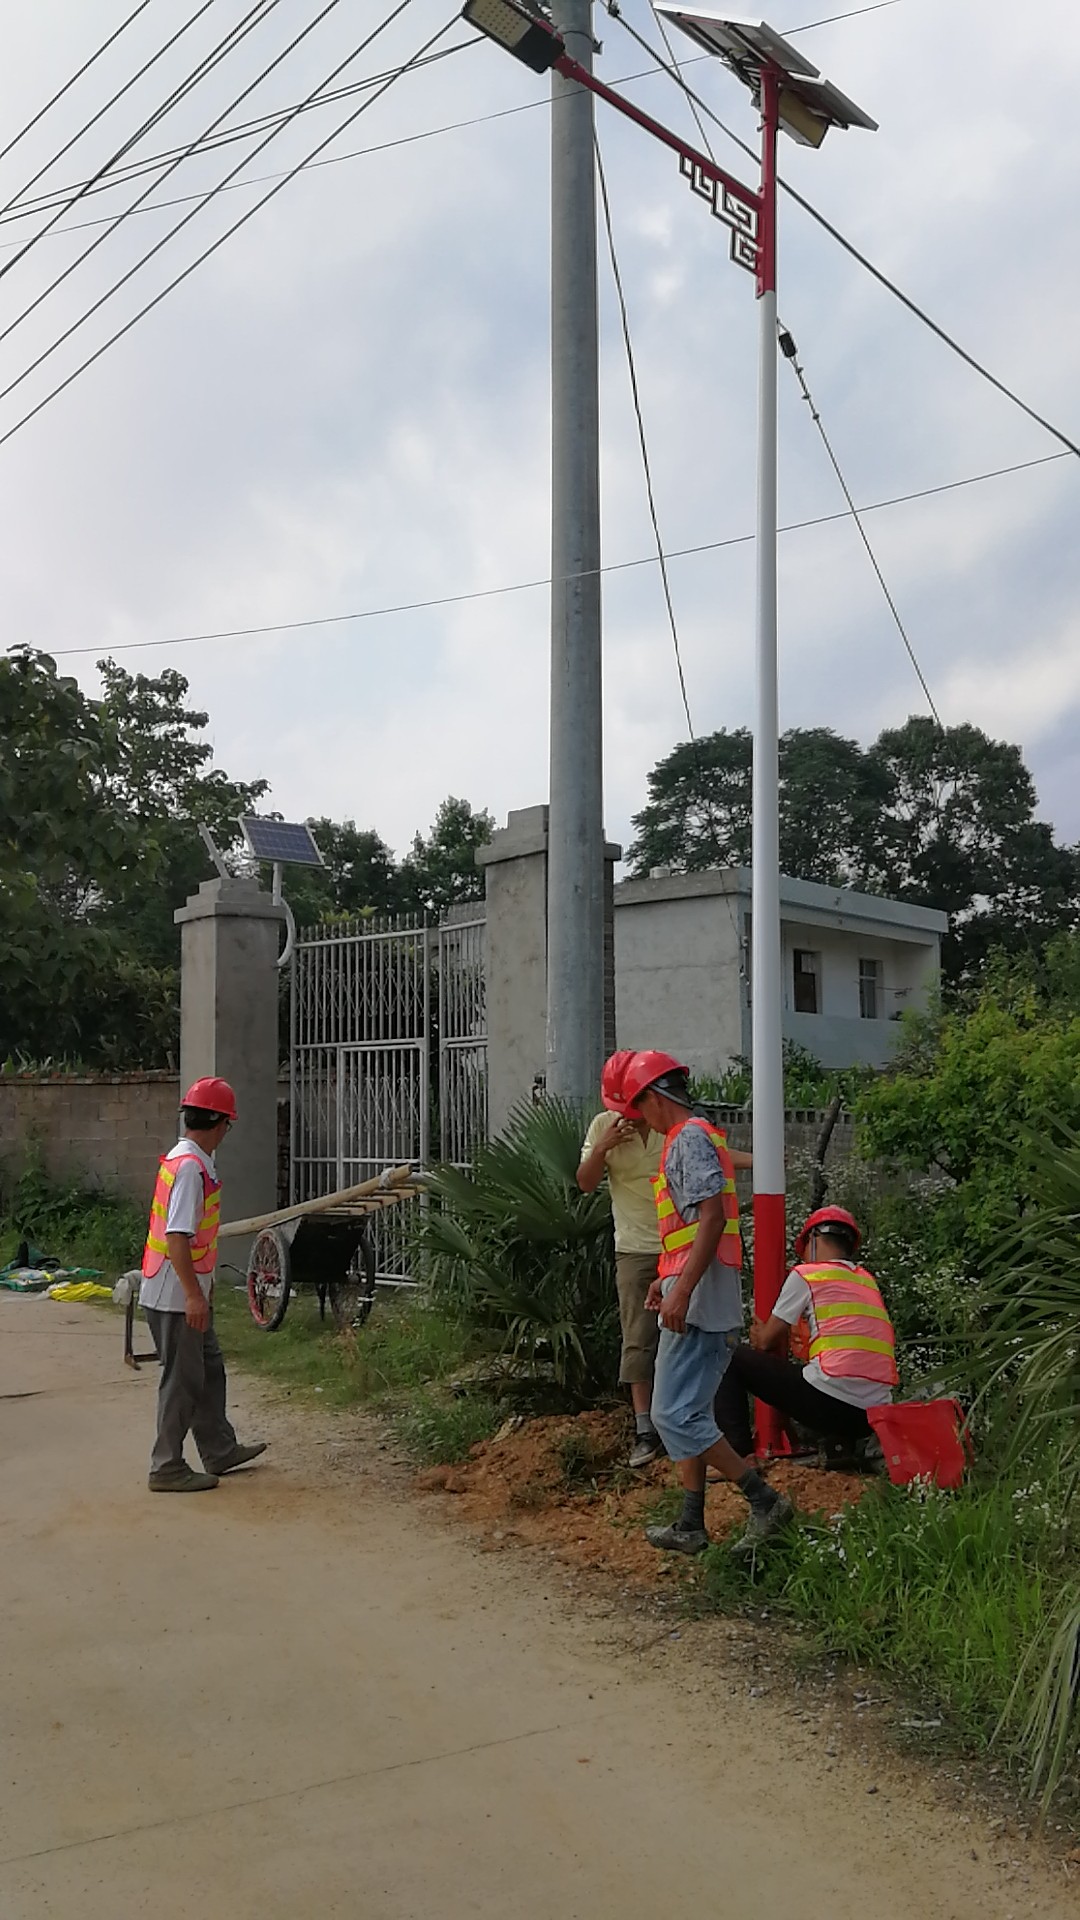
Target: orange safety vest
204, 1238
851, 1335
677, 1235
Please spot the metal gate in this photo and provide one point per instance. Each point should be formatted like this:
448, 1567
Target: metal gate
388, 1056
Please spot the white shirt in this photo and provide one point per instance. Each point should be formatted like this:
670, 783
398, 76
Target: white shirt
794, 1302
186, 1208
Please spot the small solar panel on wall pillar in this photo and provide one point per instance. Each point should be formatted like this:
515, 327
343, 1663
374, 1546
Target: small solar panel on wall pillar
286, 842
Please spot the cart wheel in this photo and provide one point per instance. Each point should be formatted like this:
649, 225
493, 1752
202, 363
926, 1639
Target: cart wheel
268, 1279
353, 1296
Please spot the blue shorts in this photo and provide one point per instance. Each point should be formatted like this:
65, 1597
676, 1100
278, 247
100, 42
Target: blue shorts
689, 1369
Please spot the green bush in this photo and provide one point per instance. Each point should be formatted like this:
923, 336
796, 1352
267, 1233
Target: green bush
525, 1257
83, 1226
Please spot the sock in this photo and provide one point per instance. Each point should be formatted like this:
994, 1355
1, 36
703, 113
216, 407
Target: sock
758, 1491
643, 1426
692, 1517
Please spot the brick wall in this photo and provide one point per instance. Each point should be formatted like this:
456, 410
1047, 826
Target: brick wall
103, 1131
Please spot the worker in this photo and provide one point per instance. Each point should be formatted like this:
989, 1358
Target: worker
176, 1295
619, 1144
698, 1300
851, 1355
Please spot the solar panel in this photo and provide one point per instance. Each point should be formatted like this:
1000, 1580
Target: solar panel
287, 842
735, 39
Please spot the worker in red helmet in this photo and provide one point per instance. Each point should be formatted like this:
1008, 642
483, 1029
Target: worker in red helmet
620, 1147
698, 1299
176, 1295
851, 1357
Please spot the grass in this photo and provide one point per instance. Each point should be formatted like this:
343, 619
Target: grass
401, 1364
82, 1227
945, 1592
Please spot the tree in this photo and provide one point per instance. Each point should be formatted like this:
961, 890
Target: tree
699, 806
163, 782
100, 802
68, 984
441, 870
941, 817
359, 876
961, 835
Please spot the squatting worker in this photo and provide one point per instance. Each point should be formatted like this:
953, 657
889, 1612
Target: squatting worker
851, 1362
620, 1145
698, 1299
177, 1285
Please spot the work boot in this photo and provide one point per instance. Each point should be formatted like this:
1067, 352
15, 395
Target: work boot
764, 1523
676, 1539
181, 1480
239, 1457
646, 1448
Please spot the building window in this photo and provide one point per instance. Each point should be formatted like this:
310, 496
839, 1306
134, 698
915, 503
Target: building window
870, 989
807, 969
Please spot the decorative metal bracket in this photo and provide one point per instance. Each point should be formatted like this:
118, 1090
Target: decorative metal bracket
740, 215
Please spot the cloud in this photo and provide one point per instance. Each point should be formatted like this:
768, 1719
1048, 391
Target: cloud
347, 408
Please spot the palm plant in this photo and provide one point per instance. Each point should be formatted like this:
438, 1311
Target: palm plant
523, 1255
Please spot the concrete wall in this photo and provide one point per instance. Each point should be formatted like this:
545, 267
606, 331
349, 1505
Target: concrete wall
677, 973
230, 937
515, 892
89, 1131
682, 956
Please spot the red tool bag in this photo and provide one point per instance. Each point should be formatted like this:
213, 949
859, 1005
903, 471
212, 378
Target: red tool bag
923, 1440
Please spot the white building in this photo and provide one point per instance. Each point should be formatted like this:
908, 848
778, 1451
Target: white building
852, 963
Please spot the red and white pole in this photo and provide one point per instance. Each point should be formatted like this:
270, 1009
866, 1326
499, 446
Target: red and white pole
765, 971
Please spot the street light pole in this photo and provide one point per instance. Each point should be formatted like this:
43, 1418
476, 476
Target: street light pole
575, 921
766, 976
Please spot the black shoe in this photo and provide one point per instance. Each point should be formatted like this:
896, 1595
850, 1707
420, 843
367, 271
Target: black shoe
239, 1457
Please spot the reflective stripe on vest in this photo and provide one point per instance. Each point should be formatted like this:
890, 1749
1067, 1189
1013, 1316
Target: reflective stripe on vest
203, 1240
851, 1334
677, 1235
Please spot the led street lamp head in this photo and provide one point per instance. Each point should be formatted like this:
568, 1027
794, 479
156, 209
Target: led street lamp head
527, 34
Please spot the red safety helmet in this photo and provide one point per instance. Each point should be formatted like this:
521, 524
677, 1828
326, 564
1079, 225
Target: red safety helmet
611, 1083
642, 1071
823, 1218
212, 1095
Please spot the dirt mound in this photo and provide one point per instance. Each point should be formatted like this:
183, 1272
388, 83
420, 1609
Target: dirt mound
561, 1482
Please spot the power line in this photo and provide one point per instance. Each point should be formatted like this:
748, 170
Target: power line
77, 75
100, 186
527, 586
266, 7
635, 396
118, 95
252, 19
122, 176
244, 218
790, 353
661, 556
848, 245
203, 201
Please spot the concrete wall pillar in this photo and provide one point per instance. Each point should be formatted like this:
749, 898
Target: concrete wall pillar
230, 937
515, 887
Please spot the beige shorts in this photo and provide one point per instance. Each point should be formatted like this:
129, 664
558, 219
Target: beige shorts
634, 1275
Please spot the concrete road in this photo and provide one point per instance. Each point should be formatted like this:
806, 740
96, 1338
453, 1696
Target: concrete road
305, 1695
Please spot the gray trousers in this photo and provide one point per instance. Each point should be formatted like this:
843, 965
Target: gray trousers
191, 1393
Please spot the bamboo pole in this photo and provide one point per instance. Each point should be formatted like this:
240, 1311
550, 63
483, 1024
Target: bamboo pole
394, 1179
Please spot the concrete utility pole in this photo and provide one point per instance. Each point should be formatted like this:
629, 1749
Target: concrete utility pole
575, 922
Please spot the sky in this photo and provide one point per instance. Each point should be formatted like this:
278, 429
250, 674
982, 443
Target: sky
346, 408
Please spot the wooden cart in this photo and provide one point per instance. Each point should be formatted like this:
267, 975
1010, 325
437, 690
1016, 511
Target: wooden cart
323, 1243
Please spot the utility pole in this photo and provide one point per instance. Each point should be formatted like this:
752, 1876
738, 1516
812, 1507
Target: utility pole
575, 957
